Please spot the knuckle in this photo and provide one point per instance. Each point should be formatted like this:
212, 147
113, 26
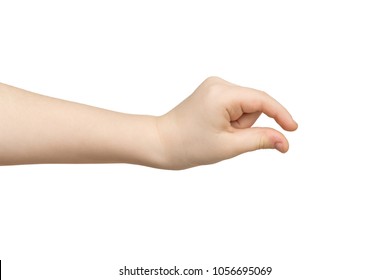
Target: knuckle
215, 91
212, 80
214, 86
264, 140
261, 143
263, 92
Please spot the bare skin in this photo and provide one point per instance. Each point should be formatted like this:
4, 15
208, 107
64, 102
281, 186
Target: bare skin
212, 124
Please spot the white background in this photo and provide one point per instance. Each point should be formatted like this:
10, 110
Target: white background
321, 211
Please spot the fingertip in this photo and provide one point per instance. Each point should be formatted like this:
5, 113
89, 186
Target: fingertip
279, 141
294, 126
291, 125
281, 146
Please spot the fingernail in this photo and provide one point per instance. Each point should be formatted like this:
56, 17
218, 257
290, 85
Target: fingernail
279, 147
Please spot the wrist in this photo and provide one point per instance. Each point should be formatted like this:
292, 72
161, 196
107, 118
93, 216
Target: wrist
139, 142
165, 135
173, 154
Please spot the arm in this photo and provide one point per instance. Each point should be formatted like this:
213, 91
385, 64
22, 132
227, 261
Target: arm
211, 125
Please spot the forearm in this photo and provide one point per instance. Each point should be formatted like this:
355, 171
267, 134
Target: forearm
41, 129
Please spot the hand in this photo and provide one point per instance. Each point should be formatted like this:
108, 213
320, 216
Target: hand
215, 123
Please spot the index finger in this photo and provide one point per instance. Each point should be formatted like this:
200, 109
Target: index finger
252, 100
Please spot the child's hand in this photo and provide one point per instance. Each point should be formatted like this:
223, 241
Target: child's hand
214, 124
211, 125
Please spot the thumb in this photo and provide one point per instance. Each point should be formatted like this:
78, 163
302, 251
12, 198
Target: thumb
255, 138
